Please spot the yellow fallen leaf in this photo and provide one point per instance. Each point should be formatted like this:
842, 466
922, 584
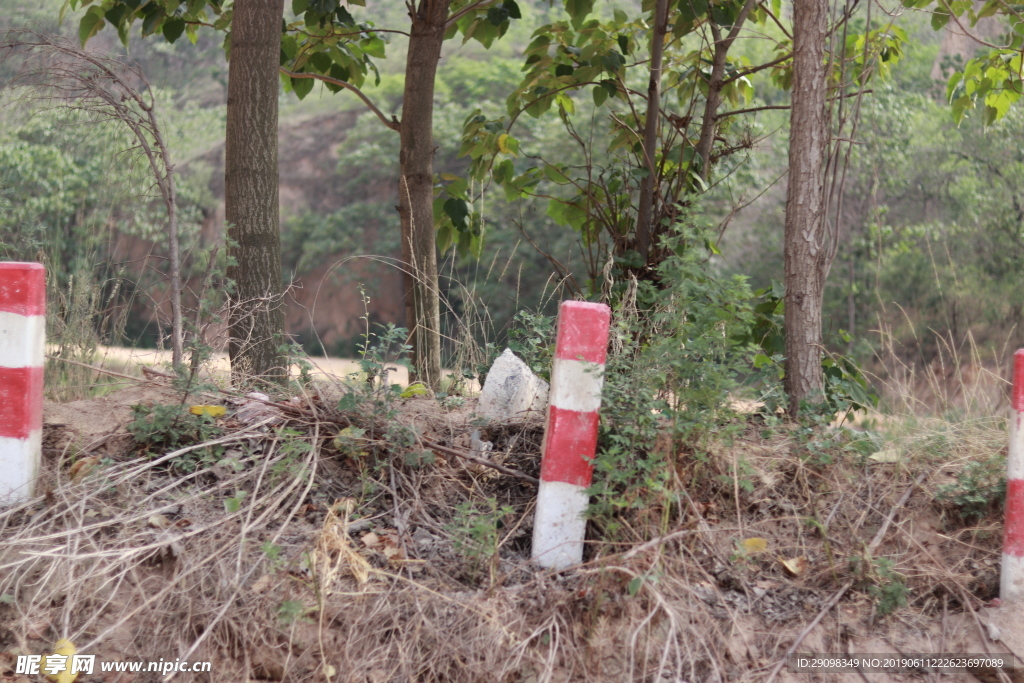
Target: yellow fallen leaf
754, 545
416, 389
82, 467
261, 584
212, 411
330, 671
796, 565
158, 522
63, 650
886, 455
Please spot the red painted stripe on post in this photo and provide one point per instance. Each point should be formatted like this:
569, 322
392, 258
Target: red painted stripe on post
582, 331
569, 443
1018, 380
22, 288
21, 401
1013, 525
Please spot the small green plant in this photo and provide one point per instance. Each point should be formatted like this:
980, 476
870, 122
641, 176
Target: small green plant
293, 449
162, 428
291, 611
980, 488
878, 578
273, 553
475, 532
376, 353
532, 338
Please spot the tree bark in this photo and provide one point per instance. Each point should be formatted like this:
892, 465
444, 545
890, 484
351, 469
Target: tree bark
256, 319
416, 190
645, 215
806, 257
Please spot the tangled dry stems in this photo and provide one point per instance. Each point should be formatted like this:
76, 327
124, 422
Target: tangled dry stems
142, 560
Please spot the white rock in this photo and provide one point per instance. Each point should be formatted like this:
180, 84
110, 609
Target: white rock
512, 391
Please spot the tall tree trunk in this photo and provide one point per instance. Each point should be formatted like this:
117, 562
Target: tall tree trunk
416, 190
806, 253
645, 227
251, 193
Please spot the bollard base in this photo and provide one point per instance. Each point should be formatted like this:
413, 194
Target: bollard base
559, 525
19, 467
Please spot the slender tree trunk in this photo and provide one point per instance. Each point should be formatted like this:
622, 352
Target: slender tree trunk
177, 327
251, 193
416, 190
805, 252
645, 227
717, 81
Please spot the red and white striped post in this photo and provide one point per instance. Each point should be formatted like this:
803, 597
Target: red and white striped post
1011, 582
22, 341
570, 437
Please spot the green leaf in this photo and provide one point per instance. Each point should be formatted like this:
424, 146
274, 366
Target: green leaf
623, 42
578, 11
634, 586
340, 73
373, 47
123, 30
600, 95
321, 62
444, 237
939, 19
90, 24
344, 17
458, 211
555, 175
173, 28
691, 10
289, 46
564, 70
302, 86
115, 14
504, 172
513, 9
497, 15
613, 61
299, 6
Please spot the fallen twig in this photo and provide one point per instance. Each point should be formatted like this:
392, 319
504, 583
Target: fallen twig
480, 461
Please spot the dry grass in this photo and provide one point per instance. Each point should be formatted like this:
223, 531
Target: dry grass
348, 563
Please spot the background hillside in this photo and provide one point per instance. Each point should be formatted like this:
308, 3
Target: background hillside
933, 232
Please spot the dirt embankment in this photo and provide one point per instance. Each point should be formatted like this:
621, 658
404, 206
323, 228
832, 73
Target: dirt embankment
302, 542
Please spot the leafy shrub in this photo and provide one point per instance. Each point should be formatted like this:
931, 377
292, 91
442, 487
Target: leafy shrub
162, 428
980, 488
676, 357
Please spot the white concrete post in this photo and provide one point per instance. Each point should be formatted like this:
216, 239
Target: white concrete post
22, 342
570, 435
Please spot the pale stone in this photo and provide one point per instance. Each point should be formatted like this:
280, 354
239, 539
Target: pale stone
512, 392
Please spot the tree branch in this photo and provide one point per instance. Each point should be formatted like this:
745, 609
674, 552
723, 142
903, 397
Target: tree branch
466, 10
393, 124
